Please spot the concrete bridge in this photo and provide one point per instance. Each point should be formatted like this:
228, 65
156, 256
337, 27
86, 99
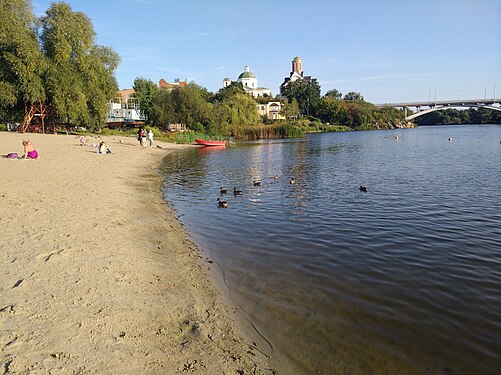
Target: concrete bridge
431, 106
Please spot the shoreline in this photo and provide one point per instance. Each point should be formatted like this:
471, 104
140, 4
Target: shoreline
98, 275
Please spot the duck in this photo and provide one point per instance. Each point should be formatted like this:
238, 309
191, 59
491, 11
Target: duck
257, 183
276, 176
222, 204
223, 191
292, 181
363, 188
237, 192
450, 139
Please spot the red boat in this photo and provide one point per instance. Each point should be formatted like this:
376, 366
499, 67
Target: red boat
203, 142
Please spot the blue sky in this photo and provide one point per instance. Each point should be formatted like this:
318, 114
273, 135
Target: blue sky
389, 51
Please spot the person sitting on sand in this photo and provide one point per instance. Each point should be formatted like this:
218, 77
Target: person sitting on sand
103, 148
29, 150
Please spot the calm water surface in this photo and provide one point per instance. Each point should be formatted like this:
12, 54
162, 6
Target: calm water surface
403, 279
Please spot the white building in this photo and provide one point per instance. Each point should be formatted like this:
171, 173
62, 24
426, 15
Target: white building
271, 110
249, 82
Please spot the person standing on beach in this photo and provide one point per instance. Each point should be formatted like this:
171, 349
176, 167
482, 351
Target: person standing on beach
150, 138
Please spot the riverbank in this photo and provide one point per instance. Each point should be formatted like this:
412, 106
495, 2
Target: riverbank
97, 274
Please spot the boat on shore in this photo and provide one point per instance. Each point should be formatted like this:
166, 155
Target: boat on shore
204, 142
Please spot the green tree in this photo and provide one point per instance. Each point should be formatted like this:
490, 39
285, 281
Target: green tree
355, 96
307, 94
227, 92
290, 110
236, 111
188, 105
80, 76
329, 110
145, 91
21, 62
336, 94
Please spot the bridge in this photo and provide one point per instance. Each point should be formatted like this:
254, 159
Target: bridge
431, 106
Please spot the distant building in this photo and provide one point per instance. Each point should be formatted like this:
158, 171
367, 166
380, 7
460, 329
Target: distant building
296, 74
124, 110
249, 82
125, 94
177, 83
271, 110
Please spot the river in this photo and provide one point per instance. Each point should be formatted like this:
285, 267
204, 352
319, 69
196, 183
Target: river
402, 279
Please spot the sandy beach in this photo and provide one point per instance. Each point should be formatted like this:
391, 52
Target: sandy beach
97, 274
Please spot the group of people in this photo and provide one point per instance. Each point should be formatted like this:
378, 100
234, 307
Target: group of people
31, 153
141, 137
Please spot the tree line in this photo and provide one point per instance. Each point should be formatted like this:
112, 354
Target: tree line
456, 116
54, 59
230, 111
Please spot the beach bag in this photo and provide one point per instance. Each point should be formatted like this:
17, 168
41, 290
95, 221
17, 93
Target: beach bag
12, 155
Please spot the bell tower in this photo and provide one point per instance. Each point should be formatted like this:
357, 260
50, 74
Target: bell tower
297, 65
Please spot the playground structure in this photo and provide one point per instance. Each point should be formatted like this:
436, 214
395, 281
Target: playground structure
35, 116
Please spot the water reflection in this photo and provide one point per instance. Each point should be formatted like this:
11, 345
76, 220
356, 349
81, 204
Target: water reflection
403, 279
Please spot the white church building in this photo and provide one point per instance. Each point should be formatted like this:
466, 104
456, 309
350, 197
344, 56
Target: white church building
249, 82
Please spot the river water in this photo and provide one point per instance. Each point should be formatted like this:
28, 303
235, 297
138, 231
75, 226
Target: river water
402, 279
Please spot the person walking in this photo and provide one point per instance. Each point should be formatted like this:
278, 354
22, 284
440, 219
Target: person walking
141, 137
150, 137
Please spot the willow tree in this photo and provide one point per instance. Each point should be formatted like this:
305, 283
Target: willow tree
21, 62
80, 74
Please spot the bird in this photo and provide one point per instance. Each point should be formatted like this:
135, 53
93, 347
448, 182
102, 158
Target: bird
223, 191
276, 176
222, 204
292, 181
257, 183
396, 137
237, 192
363, 188
450, 139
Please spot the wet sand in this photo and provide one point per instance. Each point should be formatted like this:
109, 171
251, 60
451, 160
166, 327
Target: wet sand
97, 275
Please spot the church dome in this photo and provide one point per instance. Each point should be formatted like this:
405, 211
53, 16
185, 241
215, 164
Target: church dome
246, 73
297, 58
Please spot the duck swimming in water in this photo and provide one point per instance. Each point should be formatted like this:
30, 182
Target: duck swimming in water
292, 181
223, 191
276, 176
222, 204
257, 183
237, 192
363, 188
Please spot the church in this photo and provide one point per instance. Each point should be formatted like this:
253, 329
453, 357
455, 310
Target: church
296, 74
249, 83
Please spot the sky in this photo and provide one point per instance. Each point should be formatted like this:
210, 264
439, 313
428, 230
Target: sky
388, 50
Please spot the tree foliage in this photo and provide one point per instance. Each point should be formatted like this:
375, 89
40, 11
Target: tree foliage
306, 93
188, 105
456, 116
145, 91
336, 94
80, 74
352, 95
54, 59
21, 61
